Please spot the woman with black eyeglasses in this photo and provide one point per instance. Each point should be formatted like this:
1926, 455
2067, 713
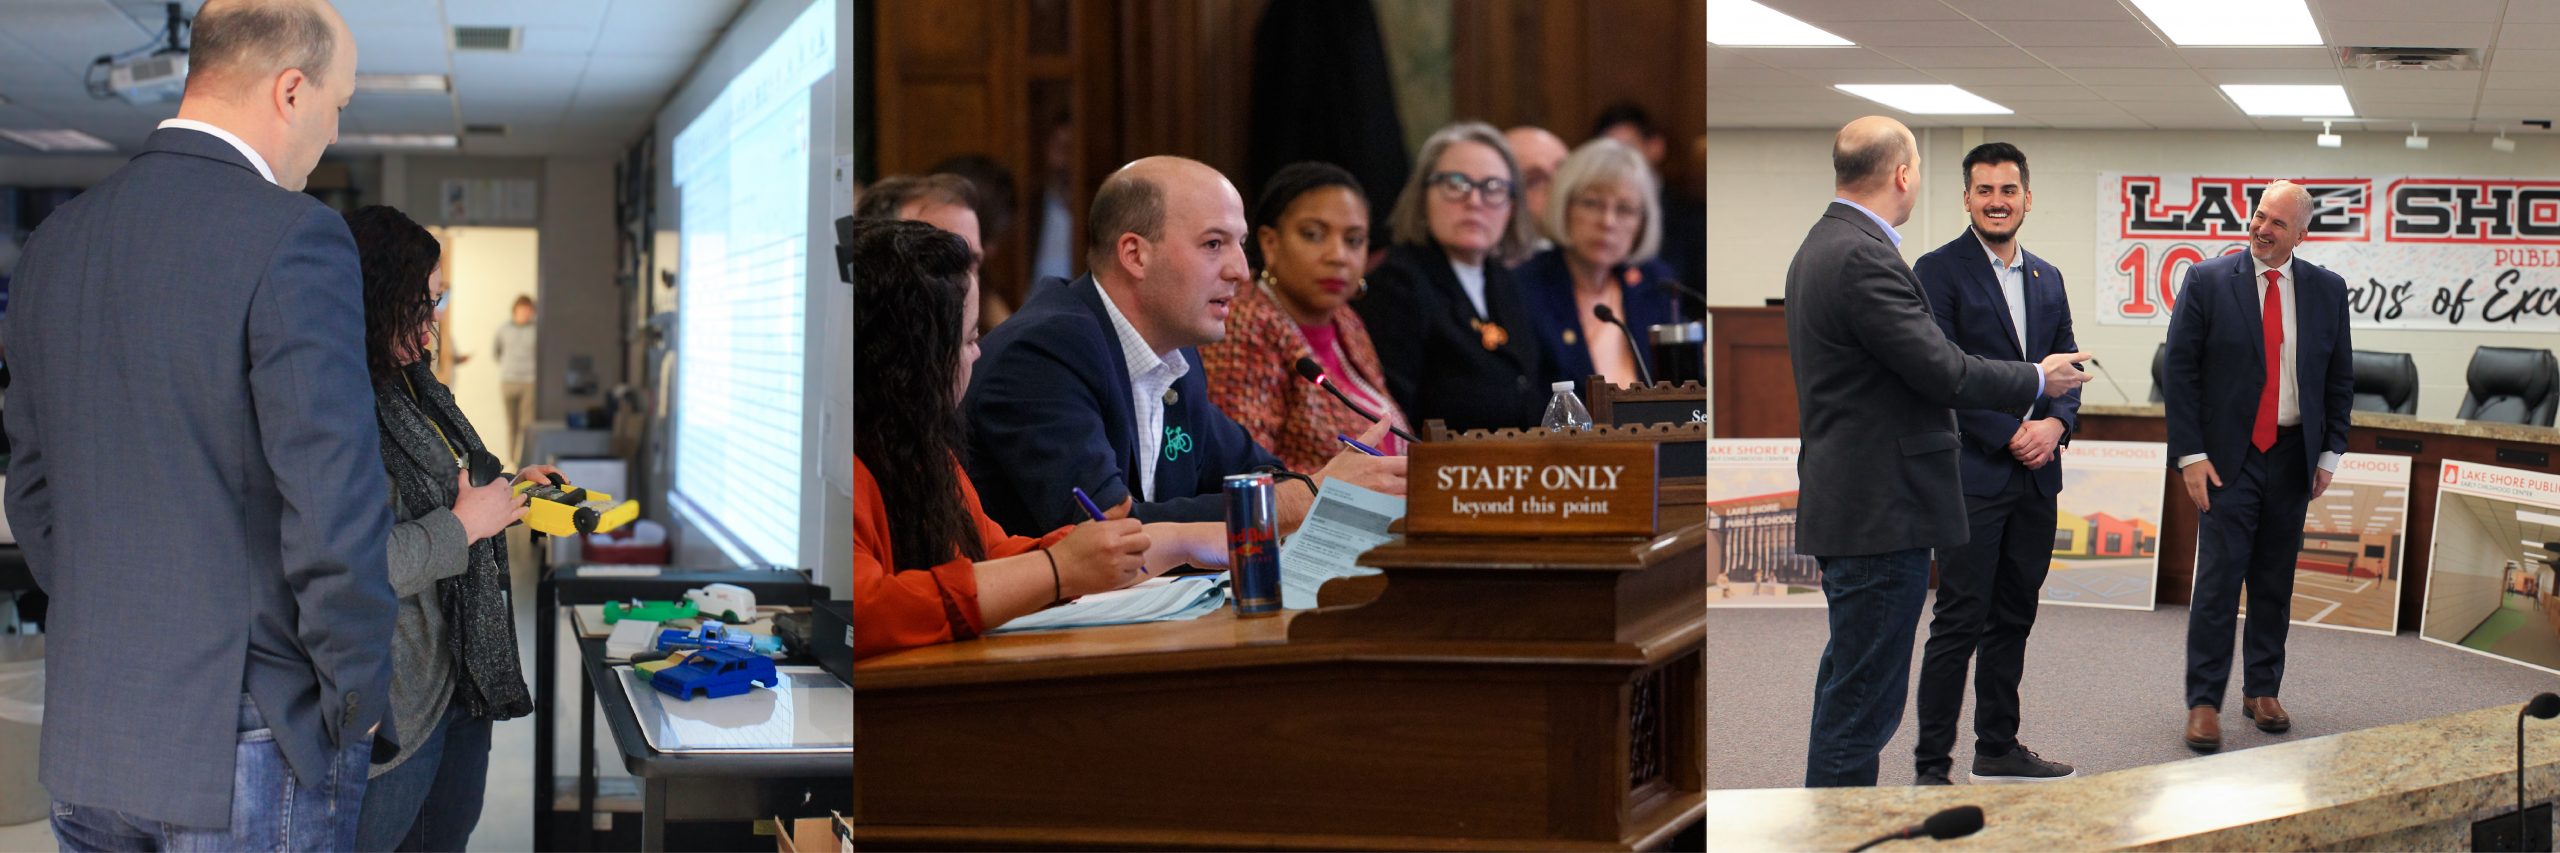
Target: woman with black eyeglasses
1457, 340
453, 646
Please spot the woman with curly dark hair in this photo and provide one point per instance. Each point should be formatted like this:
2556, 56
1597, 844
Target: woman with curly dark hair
928, 565
454, 667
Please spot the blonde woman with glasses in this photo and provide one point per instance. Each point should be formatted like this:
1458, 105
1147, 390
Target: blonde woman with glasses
1608, 226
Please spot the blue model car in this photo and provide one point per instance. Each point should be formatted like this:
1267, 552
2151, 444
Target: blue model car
714, 673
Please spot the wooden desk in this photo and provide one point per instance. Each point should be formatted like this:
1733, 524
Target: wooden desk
1494, 694
1755, 379
2426, 442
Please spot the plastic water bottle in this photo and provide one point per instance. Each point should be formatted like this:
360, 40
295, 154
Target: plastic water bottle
1565, 411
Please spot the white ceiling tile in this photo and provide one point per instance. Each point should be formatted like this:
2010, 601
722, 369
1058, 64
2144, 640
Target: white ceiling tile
2529, 36
2124, 33
558, 40
2270, 75
1830, 11
2524, 11
2004, 76
1995, 11
2428, 33
2116, 122
700, 18
2511, 59
2157, 93
2543, 80
2136, 77
2481, 11
1732, 75
1962, 57
2108, 57
1833, 76
2179, 108
1834, 57
2438, 81
1799, 93
2258, 57
1882, 33
2447, 109
2232, 121
2006, 94
520, 13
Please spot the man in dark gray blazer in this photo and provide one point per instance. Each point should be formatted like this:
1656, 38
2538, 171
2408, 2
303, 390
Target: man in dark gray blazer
196, 481
1877, 384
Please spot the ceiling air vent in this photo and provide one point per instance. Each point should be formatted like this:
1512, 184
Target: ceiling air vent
2410, 58
484, 130
486, 38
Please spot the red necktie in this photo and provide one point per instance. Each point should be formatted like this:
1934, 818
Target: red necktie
2271, 316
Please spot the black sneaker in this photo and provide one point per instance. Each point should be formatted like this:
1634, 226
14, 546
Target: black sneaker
2019, 765
1932, 777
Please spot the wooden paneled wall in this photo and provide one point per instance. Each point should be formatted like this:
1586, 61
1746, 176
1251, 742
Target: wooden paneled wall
1556, 63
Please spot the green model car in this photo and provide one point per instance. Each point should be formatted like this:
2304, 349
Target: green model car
647, 611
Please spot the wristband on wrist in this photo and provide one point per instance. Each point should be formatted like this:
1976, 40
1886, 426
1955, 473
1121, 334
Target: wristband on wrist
1057, 591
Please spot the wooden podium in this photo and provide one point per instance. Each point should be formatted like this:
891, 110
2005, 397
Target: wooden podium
1514, 692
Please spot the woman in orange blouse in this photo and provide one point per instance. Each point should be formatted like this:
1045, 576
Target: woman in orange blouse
928, 566
1311, 239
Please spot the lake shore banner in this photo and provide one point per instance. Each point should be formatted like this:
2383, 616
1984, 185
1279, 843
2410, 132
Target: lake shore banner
2490, 583
2426, 253
1751, 526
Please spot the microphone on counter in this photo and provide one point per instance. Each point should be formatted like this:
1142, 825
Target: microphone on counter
1611, 318
2541, 707
1310, 371
2111, 381
1957, 822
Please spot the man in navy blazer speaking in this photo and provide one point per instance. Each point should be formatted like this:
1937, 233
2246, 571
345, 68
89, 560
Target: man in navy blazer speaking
1995, 300
1092, 384
2260, 381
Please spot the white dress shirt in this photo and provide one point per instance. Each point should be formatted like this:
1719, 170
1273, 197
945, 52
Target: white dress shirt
225, 135
1471, 280
1150, 377
2013, 288
2288, 388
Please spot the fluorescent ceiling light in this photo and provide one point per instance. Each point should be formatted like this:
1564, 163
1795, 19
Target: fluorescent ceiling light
1927, 99
2232, 23
56, 140
2531, 544
2290, 100
400, 140
399, 83
1743, 23
2529, 517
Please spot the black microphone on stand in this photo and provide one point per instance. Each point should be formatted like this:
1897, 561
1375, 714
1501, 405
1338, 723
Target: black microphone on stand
1611, 318
1310, 371
2111, 381
1957, 822
2528, 832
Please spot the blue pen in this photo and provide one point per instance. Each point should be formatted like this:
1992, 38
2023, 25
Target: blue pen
1356, 445
1087, 503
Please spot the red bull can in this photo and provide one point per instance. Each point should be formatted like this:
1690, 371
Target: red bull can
1253, 545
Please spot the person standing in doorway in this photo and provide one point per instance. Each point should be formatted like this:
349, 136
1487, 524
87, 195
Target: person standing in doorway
514, 350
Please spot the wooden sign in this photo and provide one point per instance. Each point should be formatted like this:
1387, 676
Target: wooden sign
1531, 488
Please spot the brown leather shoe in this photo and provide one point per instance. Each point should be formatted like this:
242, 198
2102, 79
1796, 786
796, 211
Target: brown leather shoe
2204, 728
2268, 713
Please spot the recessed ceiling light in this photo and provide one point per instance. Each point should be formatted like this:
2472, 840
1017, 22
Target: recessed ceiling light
2232, 23
2530, 517
395, 83
2290, 100
1743, 23
399, 140
1925, 98
57, 140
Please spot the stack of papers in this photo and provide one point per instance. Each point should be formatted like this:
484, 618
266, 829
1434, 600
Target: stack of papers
1346, 522
630, 637
1159, 600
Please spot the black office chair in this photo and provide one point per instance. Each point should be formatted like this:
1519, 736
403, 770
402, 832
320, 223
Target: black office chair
2386, 382
2159, 371
2511, 385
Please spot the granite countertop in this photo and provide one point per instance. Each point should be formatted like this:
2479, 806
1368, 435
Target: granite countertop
2376, 420
2319, 793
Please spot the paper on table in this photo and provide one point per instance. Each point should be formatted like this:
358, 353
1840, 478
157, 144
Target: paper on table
1158, 600
1346, 522
810, 711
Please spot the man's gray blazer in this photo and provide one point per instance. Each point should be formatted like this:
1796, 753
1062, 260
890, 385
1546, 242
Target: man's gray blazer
196, 480
1877, 384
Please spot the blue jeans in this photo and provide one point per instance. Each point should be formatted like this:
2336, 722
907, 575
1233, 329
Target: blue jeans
1866, 668
431, 801
269, 809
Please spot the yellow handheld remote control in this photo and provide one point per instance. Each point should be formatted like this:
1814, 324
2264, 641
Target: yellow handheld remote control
567, 510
